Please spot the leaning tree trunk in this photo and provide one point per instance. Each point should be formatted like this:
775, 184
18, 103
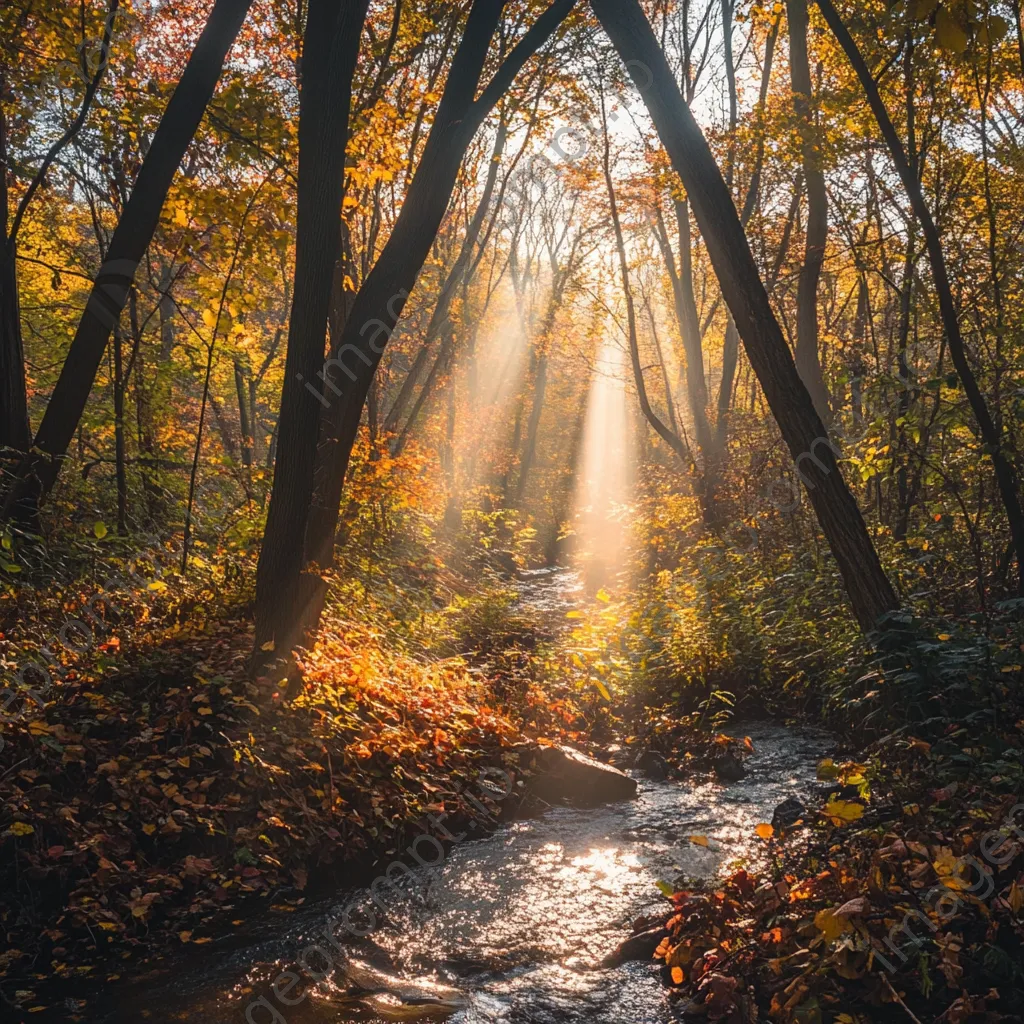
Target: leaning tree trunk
330, 51
991, 435
379, 303
871, 594
38, 472
808, 361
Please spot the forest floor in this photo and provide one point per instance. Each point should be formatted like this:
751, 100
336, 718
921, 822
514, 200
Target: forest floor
160, 797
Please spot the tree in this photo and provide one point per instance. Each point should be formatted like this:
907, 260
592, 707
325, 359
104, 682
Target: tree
381, 298
330, 51
39, 470
991, 434
870, 593
808, 361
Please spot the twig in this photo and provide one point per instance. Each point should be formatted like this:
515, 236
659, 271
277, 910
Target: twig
17, 764
896, 997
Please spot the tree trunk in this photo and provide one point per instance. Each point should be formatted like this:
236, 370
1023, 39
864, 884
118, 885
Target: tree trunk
1006, 475
540, 390
14, 427
379, 303
330, 51
731, 342
562, 502
245, 428
689, 325
808, 362
120, 469
128, 244
660, 427
871, 594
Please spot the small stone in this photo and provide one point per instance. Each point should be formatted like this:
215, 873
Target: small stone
788, 813
729, 768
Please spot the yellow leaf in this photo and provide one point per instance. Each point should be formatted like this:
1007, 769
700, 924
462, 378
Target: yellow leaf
184, 936
149, 829
765, 831
205, 711
830, 925
997, 27
268, 646
947, 867
209, 318
827, 769
699, 840
842, 812
99, 530
948, 33
677, 975
603, 595
108, 926
20, 828
1016, 898
602, 689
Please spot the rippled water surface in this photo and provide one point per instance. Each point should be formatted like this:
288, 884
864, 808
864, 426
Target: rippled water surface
519, 920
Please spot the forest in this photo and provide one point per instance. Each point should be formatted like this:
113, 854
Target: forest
510, 511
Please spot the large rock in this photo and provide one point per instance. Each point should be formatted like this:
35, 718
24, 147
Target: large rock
563, 774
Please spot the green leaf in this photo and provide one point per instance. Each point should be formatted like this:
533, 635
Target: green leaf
100, 530
666, 888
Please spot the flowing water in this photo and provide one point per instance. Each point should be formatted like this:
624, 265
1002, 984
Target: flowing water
519, 920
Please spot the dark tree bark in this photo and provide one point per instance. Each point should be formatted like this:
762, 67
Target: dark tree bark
330, 51
379, 302
871, 594
14, 427
991, 435
808, 361
38, 472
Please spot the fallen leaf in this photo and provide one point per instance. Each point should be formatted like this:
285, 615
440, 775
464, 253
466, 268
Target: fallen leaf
842, 812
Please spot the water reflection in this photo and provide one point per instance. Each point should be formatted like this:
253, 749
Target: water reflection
520, 920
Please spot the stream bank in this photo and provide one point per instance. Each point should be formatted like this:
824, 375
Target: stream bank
518, 920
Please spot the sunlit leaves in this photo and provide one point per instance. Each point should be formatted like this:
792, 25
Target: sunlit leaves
843, 812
